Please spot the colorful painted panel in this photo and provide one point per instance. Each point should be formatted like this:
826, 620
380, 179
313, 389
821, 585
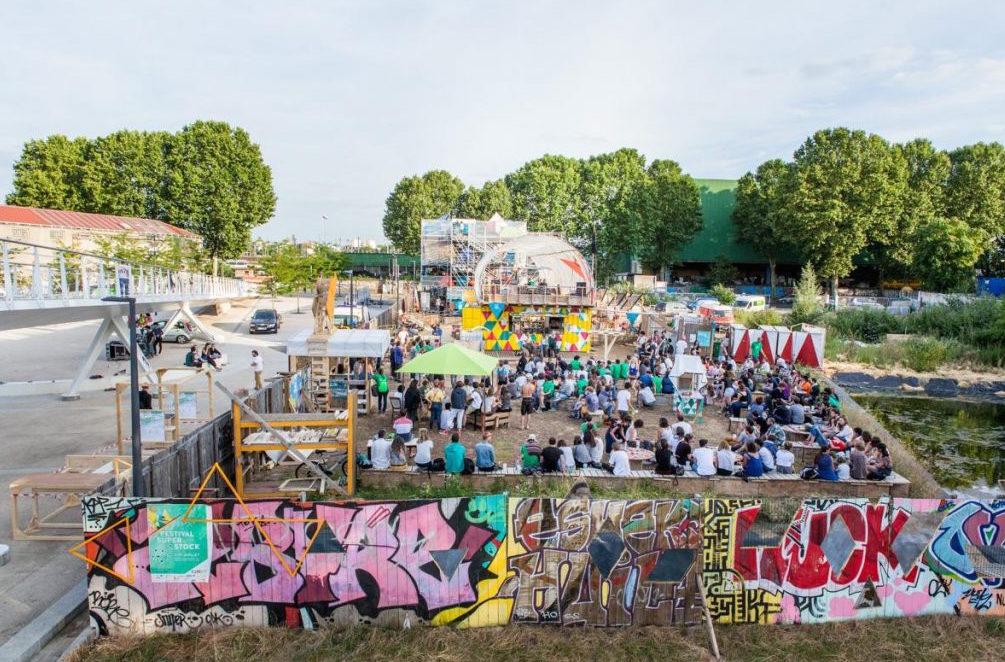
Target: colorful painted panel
603, 563
843, 559
306, 565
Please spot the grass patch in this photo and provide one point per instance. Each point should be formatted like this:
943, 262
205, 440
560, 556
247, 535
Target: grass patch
454, 487
921, 354
943, 638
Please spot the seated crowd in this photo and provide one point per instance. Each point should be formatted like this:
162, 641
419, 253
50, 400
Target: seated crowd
603, 397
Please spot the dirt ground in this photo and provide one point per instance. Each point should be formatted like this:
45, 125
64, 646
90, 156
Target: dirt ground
507, 441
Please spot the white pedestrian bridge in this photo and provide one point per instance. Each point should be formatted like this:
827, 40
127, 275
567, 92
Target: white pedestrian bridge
45, 285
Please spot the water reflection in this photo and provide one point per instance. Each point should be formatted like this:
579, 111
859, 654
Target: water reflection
961, 443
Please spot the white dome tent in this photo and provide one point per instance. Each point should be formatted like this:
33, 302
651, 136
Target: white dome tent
533, 264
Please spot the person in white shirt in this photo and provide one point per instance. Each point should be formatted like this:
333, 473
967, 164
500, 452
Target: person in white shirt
767, 459
446, 418
423, 450
475, 403
785, 459
619, 465
843, 469
725, 459
624, 398
703, 458
681, 423
681, 347
646, 396
403, 426
257, 365
567, 457
380, 451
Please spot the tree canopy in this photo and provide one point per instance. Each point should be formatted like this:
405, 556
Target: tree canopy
414, 198
606, 204
759, 212
209, 178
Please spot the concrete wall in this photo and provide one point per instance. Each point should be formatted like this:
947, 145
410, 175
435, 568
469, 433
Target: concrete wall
493, 560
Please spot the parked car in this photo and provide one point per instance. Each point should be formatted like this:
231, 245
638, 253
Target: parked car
750, 302
265, 320
180, 332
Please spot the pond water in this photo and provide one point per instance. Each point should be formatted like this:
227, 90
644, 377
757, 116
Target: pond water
962, 443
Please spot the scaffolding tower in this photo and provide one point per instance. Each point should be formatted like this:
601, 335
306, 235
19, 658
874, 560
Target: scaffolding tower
450, 249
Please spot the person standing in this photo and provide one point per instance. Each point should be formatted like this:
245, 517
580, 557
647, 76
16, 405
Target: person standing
526, 403
258, 366
458, 402
413, 400
435, 397
397, 359
158, 332
381, 383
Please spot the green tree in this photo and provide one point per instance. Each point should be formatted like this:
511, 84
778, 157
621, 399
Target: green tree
546, 194
124, 174
723, 294
759, 213
49, 174
806, 306
976, 187
607, 186
665, 212
482, 203
846, 191
945, 254
218, 186
722, 271
289, 270
414, 198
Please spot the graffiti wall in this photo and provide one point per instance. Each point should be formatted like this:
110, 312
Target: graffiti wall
603, 563
844, 559
282, 563
171, 566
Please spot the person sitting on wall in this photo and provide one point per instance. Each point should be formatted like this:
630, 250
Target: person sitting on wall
530, 453
380, 451
881, 466
752, 466
619, 464
455, 458
485, 454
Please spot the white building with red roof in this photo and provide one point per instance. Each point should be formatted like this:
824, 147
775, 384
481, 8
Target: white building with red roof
79, 230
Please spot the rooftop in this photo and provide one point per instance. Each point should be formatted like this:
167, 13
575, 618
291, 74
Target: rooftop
76, 220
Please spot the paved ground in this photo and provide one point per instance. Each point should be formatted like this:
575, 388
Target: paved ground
38, 431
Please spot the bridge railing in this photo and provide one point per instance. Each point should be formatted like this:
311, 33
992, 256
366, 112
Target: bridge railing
32, 272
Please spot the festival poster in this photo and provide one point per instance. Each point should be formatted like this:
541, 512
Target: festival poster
704, 338
152, 425
179, 549
188, 405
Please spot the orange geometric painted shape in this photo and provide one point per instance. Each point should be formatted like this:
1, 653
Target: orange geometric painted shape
92, 540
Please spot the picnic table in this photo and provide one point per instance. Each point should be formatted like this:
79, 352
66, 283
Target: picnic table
639, 456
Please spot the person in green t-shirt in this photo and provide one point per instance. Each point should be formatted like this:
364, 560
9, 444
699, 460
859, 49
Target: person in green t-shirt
547, 393
657, 384
453, 455
576, 364
581, 385
530, 453
380, 381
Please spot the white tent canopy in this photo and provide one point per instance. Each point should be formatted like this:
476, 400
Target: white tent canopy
688, 364
349, 343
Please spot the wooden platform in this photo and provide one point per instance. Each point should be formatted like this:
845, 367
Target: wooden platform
775, 485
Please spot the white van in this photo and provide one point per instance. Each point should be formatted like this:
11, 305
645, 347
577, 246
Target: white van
751, 302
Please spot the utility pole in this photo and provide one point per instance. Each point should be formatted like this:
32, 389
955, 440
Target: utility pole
134, 402
323, 219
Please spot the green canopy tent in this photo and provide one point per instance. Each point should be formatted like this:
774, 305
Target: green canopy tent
451, 359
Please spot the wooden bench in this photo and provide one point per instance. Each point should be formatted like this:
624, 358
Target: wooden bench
70, 485
483, 421
736, 424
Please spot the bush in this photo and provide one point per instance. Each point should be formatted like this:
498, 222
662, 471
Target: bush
867, 325
723, 294
924, 354
722, 271
755, 318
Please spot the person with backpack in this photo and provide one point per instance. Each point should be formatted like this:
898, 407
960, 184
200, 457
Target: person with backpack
530, 454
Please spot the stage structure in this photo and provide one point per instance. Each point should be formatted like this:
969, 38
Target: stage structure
451, 249
529, 287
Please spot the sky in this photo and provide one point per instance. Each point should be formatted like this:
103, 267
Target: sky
346, 98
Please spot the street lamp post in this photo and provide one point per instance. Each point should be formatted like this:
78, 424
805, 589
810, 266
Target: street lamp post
134, 388
352, 317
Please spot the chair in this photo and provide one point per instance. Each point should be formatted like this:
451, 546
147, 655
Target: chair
397, 405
